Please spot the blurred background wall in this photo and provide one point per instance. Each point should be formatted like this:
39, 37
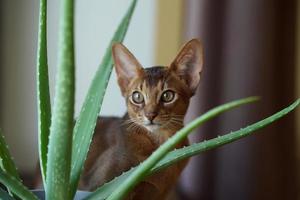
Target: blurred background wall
19, 25
298, 88
251, 48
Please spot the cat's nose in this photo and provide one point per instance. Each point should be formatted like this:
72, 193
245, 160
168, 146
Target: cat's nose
151, 115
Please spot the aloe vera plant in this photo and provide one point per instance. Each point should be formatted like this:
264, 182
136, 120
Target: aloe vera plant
63, 148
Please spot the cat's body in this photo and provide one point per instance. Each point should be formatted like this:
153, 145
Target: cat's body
157, 99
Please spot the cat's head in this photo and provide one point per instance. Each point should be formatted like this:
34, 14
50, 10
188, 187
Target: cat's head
158, 97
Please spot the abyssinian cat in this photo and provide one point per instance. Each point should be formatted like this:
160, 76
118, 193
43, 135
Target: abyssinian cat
157, 99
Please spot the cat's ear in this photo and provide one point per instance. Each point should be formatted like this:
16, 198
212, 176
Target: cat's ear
188, 63
127, 66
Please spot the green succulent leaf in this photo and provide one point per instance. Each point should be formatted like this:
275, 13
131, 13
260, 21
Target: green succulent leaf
109, 188
16, 187
60, 139
43, 95
86, 122
5, 196
6, 162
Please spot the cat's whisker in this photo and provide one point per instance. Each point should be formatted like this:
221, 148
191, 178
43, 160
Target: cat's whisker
176, 117
130, 121
171, 126
175, 123
132, 127
173, 115
166, 125
178, 121
135, 126
126, 123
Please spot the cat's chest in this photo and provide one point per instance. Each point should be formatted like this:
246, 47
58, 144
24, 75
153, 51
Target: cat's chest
140, 146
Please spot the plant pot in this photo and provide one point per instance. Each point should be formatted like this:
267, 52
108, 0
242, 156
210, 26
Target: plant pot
78, 196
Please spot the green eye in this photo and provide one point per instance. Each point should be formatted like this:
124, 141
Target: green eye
168, 96
137, 97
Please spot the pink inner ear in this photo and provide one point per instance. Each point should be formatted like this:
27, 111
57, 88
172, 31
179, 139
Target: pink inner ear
187, 56
125, 62
188, 63
127, 66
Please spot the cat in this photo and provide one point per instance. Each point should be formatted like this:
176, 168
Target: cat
157, 99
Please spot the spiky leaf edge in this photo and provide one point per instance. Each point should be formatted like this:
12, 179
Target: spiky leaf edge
61, 130
43, 95
87, 119
16, 186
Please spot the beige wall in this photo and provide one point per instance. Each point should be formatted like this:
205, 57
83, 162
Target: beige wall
169, 30
18, 96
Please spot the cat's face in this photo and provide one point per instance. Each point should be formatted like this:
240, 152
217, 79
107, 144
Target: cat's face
158, 97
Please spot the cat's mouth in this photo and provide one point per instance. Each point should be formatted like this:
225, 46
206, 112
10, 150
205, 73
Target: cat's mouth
151, 125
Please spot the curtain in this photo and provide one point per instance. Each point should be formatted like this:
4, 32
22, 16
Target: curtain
249, 50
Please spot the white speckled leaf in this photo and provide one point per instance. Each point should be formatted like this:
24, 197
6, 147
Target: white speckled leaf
60, 139
16, 187
43, 95
7, 163
4, 195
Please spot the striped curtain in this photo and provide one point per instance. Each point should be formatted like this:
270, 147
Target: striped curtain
249, 50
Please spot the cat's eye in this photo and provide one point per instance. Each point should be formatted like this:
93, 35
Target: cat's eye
168, 96
137, 97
